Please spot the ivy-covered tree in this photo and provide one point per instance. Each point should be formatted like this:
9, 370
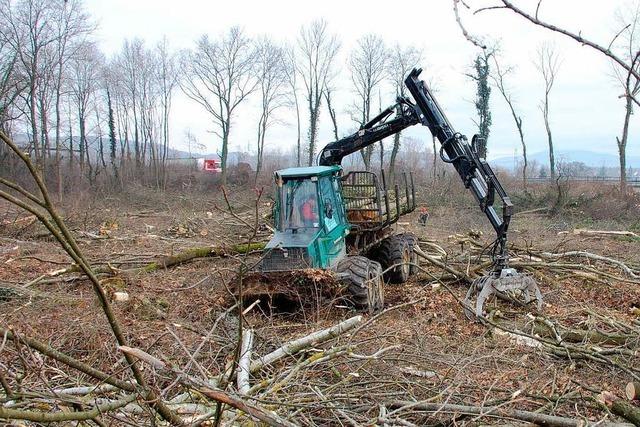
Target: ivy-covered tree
483, 93
112, 137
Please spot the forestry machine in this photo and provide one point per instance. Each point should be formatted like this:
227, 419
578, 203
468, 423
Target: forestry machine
331, 225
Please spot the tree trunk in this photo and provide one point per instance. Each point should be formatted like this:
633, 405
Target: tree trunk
435, 158
165, 148
313, 130
298, 141
552, 161
136, 137
518, 121
262, 129
203, 252
112, 138
524, 158
225, 151
57, 141
83, 140
392, 157
34, 120
100, 141
70, 147
45, 139
332, 114
622, 144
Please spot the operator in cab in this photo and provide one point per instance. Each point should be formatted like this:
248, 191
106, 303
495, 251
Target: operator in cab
309, 211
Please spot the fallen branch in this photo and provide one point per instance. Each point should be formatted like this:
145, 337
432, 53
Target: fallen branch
68, 360
490, 411
445, 267
589, 255
84, 390
245, 362
585, 232
293, 347
534, 211
203, 252
545, 328
51, 417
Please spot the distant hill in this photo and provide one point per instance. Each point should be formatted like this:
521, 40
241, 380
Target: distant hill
589, 158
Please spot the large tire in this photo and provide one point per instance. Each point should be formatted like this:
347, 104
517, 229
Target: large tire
412, 241
394, 251
364, 282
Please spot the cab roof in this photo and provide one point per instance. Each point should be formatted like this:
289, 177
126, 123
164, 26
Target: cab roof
308, 171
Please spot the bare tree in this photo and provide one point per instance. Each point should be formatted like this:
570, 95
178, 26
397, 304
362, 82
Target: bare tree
332, 112
119, 101
113, 144
367, 63
143, 80
12, 81
272, 77
497, 76
629, 46
73, 26
548, 63
168, 77
42, 34
292, 79
220, 77
30, 30
149, 100
317, 50
130, 63
402, 59
86, 67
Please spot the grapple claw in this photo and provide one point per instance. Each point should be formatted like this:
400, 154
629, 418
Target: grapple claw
507, 280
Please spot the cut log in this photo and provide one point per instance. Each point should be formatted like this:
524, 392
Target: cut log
620, 407
244, 362
489, 411
585, 232
293, 347
632, 390
203, 252
593, 336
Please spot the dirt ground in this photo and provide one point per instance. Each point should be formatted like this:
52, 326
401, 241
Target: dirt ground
431, 351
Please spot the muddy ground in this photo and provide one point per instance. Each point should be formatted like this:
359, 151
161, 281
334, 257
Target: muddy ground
432, 350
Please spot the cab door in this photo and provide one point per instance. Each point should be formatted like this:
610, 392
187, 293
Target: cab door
334, 247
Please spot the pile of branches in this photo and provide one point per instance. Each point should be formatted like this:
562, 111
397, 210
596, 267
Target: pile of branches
474, 259
600, 338
325, 377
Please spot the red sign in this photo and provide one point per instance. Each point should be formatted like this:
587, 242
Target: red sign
211, 165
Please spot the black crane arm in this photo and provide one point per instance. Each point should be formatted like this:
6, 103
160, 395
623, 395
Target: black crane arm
476, 174
375, 130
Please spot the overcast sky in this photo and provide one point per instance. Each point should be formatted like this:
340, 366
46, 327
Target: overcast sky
586, 112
